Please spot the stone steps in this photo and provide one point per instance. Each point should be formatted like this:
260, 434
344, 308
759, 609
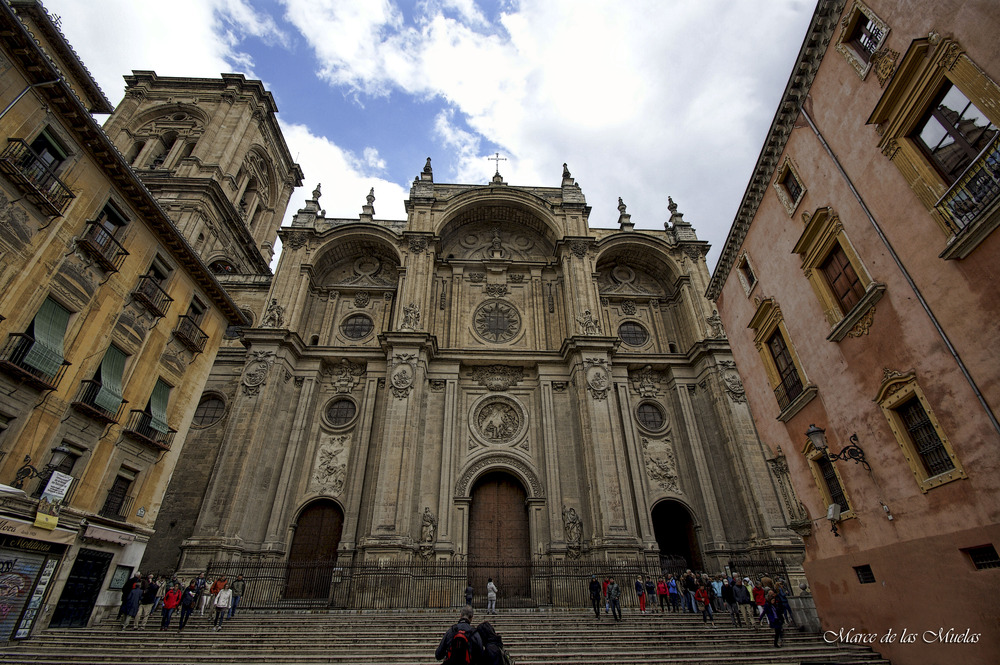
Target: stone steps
353, 638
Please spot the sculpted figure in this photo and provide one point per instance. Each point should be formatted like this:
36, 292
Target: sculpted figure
429, 526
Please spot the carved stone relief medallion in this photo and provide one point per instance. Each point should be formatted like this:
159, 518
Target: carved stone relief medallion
496, 321
401, 375
734, 385
330, 469
661, 463
598, 379
498, 420
255, 372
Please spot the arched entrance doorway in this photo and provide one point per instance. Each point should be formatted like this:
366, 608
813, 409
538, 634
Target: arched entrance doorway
499, 537
314, 550
674, 531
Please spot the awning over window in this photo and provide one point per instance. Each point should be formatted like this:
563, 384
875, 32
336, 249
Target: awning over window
46, 354
109, 395
158, 406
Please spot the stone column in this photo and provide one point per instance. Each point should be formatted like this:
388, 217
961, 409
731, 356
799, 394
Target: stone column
713, 518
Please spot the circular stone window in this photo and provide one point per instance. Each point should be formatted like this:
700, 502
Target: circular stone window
496, 321
210, 410
650, 416
357, 326
341, 411
633, 333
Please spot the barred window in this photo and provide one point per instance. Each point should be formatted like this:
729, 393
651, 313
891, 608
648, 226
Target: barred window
832, 483
210, 410
633, 333
650, 416
926, 441
357, 326
341, 412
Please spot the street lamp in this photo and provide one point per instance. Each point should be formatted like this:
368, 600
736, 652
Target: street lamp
27, 472
851, 452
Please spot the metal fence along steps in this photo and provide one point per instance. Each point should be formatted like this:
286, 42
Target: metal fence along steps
570, 637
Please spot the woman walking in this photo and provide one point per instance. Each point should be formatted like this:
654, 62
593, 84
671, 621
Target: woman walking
640, 590
223, 599
491, 597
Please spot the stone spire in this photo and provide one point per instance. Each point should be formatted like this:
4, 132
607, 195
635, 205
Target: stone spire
624, 219
427, 174
368, 210
681, 230
307, 215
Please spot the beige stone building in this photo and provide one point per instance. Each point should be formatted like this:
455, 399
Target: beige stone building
487, 379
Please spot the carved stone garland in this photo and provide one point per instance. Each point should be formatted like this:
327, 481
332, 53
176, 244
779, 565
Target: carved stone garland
497, 377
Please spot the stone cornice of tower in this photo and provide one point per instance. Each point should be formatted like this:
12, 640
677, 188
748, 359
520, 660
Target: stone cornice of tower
150, 83
156, 181
818, 36
64, 52
100, 148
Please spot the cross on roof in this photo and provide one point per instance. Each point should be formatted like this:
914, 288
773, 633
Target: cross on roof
497, 159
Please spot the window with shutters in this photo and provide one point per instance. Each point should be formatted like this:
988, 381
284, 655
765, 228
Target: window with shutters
781, 364
920, 436
36, 356
840, 280
101, 396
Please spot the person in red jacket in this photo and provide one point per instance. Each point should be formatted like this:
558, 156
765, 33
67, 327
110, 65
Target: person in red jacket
171, 599
704, 604
759, 599
662, 593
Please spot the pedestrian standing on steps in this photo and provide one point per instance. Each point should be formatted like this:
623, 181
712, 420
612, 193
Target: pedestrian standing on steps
205, 595
729, 602
759, 600
690, 586
130, 583
149, 590
493, 650
663, 594
604, 590
745, 604
640, 591
223, 600
704, 600
238, 586
675, 597
469, 592
772, 611
491, 597
650, 594
595, 596
614, 597
131, 608
188, 601
171, 600
461, 644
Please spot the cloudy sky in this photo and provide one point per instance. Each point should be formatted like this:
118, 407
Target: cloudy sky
642, 98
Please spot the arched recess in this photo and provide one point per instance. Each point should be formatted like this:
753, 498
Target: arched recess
499, 534
316, 536
499, 462
525, 224
676, 534
165, 134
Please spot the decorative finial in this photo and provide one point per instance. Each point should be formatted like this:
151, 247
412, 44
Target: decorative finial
371, 196
316, 192
566, 171
624, 219
621, 205
427, 166
497, 159
671, 206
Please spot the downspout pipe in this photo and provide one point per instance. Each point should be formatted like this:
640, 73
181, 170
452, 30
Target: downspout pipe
24, 92
906, 274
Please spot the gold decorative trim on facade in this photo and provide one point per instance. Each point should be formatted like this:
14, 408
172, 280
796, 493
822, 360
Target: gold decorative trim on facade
884, 62
746, 272
814, 456
788, 170
766, 321
898, 390
926, 67
858, 13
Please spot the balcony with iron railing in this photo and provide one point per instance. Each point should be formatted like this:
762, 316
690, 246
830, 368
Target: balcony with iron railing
189, 334
86, 403
786, 394
117, 507
34, 177
13, 363
99, 243
149, 292
976, 192
139, 427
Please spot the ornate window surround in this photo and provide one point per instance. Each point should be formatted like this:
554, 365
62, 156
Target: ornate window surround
824, 231
859, 12
766, 320
926, 66
740, 273
813, 456
896, 389
788, 169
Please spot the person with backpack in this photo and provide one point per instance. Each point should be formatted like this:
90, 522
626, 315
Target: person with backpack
493, 649
461, 644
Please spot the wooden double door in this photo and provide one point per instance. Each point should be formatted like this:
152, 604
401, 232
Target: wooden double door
313, 554
499, 538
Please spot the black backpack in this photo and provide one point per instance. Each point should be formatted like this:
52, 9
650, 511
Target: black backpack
459, 651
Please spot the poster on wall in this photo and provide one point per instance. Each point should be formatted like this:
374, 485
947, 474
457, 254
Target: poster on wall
35, 604
18, 570
51, 500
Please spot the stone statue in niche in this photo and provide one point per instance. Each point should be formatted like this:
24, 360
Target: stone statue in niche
411, 317
573, 527
331, 472
274, 316
588, 324
429, 526
715, 329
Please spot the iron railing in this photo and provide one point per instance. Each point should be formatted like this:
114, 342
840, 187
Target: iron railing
189, 334
12, 361
149, 292
34, 177
426, 584
139, 427
86, 403
116, 507
786, 394
756, 567
977, 190
103, 246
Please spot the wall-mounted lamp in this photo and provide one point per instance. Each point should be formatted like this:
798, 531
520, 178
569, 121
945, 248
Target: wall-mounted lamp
27, 472
852, 452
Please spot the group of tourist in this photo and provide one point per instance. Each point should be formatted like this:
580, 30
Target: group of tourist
142, 596
748, 604
464, 645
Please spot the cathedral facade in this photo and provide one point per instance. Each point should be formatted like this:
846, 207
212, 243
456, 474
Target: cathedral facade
489, 378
